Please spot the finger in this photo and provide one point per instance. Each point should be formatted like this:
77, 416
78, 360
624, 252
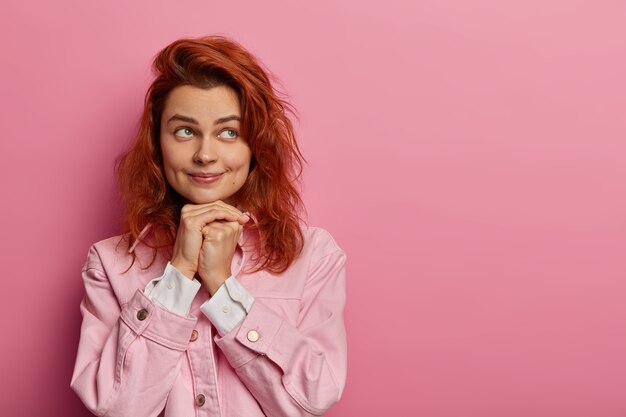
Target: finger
218, 203
243, 217
229, 226
198, 220
197, 209
222, 230
219, 214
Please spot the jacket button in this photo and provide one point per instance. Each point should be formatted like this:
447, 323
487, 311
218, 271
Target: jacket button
200, 400
253, 335
142, 314
194, 336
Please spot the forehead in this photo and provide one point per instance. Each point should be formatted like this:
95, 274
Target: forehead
203, 104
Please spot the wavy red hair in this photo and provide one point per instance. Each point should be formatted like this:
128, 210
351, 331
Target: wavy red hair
269, 193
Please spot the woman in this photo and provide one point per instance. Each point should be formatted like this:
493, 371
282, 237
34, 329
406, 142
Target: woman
216, 301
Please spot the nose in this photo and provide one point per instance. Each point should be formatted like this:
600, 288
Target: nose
206, 152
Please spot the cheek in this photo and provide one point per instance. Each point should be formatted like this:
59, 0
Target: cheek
239, 160
244, 169
246, 158
170, 158
170, 166
167, 165
241, 167
170, 173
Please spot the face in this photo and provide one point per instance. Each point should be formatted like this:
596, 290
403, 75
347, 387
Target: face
204, 157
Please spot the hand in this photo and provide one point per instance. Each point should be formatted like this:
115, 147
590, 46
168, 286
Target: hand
216, 254
190, 238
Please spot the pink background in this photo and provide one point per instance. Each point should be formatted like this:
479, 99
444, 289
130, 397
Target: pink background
468, 156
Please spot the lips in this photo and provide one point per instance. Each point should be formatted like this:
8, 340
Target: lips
205, 178
207, 175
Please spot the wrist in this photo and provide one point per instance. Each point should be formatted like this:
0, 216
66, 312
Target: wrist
183, 268
213, 282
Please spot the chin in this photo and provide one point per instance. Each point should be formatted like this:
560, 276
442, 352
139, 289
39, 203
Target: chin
205, 200
199, 199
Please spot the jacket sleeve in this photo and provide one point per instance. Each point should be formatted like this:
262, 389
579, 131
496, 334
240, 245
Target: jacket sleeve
295, 370
128, 356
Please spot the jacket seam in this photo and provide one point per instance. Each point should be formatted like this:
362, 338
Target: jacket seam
296, 396
321, 259
89, 268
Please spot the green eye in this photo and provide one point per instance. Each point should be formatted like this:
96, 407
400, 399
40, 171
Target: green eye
228, 134
184, 132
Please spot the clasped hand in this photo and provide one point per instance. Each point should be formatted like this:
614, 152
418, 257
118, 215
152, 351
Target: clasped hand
206, 241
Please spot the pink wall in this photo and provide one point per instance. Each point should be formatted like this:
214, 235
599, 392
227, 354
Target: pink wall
468, 155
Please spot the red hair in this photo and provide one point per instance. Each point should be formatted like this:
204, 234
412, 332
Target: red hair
269, 192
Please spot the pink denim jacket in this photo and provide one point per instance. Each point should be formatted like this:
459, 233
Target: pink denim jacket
287, 358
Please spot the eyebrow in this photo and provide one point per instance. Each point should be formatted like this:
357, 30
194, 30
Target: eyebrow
227, 119
194, 121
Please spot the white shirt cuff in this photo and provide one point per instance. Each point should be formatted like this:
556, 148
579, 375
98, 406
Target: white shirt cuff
228, 307
173, 290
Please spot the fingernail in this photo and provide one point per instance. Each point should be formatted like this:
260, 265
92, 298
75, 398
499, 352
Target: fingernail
244, 217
